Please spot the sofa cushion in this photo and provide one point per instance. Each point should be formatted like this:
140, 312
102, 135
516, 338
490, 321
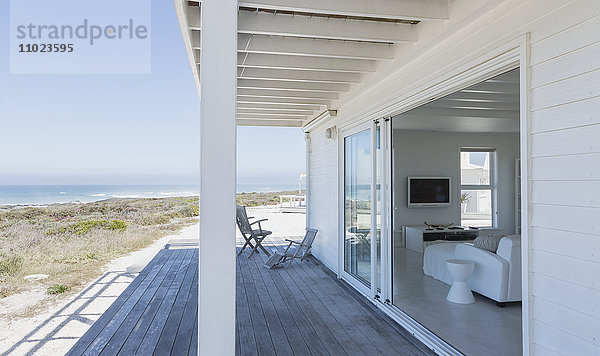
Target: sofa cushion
489, 243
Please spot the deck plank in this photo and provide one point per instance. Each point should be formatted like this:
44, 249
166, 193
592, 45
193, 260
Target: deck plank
152, 336
245, 331
306, 318
170, 330
183, 339
96, 347
350, 339
276, 330
123, 333
348, 336
343, 306
289, 327
368, 320
140, 329
84, 342
262, 334
346, 307
193, 350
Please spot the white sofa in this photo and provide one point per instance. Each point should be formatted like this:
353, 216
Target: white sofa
496, 275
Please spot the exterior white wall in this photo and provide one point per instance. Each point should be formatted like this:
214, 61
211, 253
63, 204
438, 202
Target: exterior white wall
564, 234
565, 188
432, 154
323, 198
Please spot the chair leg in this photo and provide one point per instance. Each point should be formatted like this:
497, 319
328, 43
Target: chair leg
305, 254
263, 248
258, 242
248, 243
289, 262
254, 249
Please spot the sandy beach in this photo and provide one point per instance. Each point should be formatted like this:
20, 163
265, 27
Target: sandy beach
57, 328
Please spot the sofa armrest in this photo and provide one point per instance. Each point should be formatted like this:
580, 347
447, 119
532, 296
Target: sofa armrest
510, 250
490, 275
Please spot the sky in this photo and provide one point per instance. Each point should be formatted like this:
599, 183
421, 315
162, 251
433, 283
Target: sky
124, 129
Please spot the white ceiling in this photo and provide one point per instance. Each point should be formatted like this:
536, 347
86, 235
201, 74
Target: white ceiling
297, 57
490, 106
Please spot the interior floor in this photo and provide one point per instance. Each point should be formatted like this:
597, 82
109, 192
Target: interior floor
481, 328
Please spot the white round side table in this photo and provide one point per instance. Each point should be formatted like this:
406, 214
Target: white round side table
460, 270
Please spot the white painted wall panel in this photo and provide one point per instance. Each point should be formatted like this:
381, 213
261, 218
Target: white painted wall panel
567, 294
575, 141
562, 342
573, 244
541, 350
576, 323
566, 91
571, 167
565, 268
561, 117
569, 39
569, 193
567, 65
568, 218
323, 196
565, 190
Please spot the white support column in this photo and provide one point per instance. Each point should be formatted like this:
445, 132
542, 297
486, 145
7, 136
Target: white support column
216, 294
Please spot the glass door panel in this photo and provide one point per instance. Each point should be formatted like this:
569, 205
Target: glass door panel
357, 206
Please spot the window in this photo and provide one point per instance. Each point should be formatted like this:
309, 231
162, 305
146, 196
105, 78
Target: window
477, 187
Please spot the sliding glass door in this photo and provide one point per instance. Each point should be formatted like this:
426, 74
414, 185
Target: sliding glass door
364, 204
357, 206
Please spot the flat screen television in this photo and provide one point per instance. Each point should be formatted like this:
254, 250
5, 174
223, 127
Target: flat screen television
425, 192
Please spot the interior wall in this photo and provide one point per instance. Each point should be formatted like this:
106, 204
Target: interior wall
430, 154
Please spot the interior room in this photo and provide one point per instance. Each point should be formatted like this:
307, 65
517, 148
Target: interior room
456, 216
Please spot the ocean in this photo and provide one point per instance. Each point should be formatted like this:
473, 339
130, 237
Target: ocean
49, 194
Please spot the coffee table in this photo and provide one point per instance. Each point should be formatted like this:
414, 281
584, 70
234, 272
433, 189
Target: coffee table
460, 270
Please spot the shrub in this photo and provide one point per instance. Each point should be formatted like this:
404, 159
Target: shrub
117, 225
154, 220
186, 212
58, 289
10, 264
83, 227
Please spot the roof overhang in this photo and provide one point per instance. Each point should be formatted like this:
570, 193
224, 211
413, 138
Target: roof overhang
297, 59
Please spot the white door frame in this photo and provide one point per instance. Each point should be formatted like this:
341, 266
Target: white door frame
511, 55
342, 134
384, 197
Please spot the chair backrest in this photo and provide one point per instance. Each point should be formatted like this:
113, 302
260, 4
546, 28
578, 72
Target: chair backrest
309, 237
242, 220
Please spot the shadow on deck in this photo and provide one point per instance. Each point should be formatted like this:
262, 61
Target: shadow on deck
299, 310
156, 314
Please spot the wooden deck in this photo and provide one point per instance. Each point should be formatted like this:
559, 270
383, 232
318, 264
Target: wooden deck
156, 314
305, 310
300, 310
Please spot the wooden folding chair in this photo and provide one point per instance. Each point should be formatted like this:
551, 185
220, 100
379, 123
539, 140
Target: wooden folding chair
248, 233
294, 250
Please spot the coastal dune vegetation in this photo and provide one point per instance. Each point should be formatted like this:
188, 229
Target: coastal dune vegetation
261, 199
62, 247
67, 244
